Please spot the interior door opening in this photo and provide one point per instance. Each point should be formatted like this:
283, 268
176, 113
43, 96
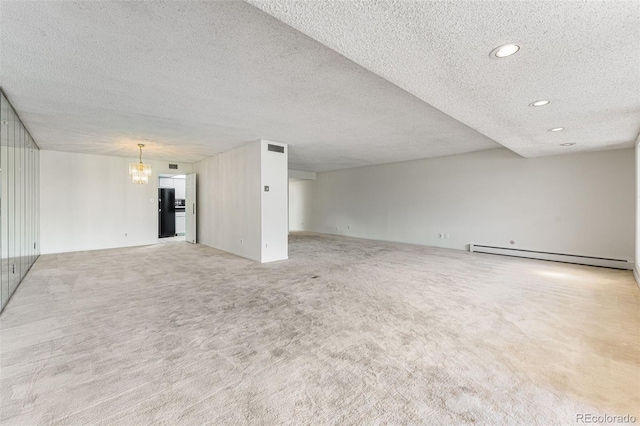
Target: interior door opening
172, 206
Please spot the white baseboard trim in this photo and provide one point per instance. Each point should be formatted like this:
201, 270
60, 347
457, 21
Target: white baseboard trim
556, 257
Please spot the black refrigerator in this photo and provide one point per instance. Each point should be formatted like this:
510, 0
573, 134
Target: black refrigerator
166, 212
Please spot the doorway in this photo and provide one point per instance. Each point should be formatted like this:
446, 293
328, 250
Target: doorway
172, 193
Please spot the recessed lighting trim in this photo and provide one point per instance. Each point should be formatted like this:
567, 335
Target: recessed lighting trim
556, 129
504, 51
539, 103
567, 144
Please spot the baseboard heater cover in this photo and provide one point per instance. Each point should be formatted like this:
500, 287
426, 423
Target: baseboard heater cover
556, 257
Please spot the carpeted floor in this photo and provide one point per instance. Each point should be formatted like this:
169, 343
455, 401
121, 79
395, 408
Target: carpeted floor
345, 332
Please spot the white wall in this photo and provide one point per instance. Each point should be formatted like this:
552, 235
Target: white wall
299, 204
235, 213
579, 204
299, 174
275, 213
88, 202
229, 199
297, 201
636, 271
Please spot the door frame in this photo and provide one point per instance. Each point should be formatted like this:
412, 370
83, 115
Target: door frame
157, 180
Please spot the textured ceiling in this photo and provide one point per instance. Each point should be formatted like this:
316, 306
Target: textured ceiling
584, 56
190, 79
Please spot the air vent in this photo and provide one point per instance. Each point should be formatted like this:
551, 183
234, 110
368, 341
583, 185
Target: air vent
173, 166
275, 148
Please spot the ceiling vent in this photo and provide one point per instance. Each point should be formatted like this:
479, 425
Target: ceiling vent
275, 148
173, 166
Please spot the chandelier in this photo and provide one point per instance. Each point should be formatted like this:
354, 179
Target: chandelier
140, 172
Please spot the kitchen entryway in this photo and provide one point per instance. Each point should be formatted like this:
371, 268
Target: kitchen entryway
172, 206
177, 207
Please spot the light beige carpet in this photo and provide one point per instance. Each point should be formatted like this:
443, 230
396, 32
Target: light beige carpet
345, 332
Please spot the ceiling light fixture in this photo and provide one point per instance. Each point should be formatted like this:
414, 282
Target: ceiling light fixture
556, 129
539, 103
504, 51
567, 144
140, 172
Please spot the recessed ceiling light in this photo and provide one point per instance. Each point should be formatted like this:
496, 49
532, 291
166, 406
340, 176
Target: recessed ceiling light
539, 103
556, 129
504, 51
567, 144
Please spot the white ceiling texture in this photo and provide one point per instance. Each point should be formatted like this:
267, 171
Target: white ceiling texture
369, 83
583, 56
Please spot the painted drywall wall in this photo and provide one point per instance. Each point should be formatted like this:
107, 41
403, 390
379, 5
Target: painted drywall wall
636, 271
299, 204
579, 204
88, 202
229, 198
275, 214
235, 213
300, 174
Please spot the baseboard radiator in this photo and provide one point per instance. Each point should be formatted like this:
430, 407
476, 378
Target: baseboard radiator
556, 257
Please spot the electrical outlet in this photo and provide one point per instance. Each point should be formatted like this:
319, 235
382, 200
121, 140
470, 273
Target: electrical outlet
266, 245
241, 242
125, 234
439, 234
348, 226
